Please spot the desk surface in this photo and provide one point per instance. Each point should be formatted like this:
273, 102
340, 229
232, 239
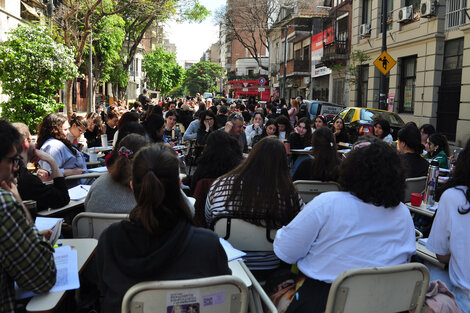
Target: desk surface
427, 255
48, 302
73, 204
423, 209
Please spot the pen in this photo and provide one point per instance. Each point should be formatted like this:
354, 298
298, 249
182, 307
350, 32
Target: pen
83, 188
57, 245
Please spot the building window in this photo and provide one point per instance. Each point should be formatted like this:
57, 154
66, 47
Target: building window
455, 13
390, 13
453, 53
407, 84
306, 56
415, 3
366, 11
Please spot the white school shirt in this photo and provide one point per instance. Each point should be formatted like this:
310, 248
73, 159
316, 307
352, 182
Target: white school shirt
449, 234
336, 231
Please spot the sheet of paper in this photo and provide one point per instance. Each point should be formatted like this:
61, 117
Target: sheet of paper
101, 169
79, 192
232, 253
44, 223
66, 262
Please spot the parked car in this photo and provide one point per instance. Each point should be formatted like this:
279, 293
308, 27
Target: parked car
360, 121
326, 109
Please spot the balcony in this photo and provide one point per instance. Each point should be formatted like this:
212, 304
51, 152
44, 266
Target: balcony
296, 67
336, 52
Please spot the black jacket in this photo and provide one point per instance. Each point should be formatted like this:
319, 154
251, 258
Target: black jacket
126, 255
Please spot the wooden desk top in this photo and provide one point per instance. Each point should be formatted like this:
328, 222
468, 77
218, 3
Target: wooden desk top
73, 204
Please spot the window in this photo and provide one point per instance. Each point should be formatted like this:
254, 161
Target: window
363, 86
407, 84
306, 53
455, 13
453, 53
390, 13
348, 117
366, 11
415, 3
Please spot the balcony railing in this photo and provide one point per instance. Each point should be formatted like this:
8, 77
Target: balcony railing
338, 50
296, 67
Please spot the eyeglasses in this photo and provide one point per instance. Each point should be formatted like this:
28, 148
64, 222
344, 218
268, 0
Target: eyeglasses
15, 160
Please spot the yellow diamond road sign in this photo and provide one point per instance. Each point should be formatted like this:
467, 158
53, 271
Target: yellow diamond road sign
385, 62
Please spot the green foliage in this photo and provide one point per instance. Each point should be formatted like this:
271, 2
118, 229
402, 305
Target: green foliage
162, 70
201, 77
352, 71
33, 67
195, 13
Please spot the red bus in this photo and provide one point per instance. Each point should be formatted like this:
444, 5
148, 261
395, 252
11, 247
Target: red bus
245, 88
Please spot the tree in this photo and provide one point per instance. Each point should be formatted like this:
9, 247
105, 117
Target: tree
33, 68
202, 76
162, 70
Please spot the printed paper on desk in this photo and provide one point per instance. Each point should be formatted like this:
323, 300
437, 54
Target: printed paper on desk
45, 223
66, 262
101, 169
232, 253
79, 192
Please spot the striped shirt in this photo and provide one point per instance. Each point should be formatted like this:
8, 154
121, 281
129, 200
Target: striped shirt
215, 205
25, 257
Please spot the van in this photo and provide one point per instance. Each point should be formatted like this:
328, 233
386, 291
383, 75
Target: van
326, 109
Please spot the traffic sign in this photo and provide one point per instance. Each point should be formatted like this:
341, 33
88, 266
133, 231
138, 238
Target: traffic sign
261, 89
261, 80
385, 62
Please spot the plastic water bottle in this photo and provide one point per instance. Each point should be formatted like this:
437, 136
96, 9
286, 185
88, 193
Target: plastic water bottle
431, 183
178, 134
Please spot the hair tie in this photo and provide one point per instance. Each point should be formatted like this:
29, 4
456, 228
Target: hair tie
331, 144
128, 153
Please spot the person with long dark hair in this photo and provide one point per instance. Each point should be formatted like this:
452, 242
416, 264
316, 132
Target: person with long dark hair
382, 130
95, 129
52, 139
426, 130
339, 130
437, 148
319, 122
365, 225
302, 137
78, 127
270, 129
284, 127
325, 163
448, 237
259, 190
158, 241
410, 149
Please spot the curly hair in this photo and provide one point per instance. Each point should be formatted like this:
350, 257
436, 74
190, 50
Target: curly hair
50, 127
375, 174
461, 177
284, 120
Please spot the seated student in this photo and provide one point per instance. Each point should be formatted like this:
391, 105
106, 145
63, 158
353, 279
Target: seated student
52, 139
126, 118
382, 130
325, 163
438, 149
94, 130
448, 237
208, 126
365, 225
154, 127
255, 128
270, 129
339, 131
284, 126
169, 134
426, 130
410, 149
111, 192
259, 188
30, 186
158, 242
78, 126
319, 122
302, 137
234, 127
26, 258
112, 119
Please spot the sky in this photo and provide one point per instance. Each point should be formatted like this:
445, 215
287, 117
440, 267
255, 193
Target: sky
192, 40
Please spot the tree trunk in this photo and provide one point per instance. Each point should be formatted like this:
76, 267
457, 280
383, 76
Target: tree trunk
68, 98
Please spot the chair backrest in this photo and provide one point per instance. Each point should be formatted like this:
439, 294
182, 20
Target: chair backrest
379, 289
309, 189
243, 235
91, 225
224, 294
414, 185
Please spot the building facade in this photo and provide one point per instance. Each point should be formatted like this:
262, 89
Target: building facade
430, 40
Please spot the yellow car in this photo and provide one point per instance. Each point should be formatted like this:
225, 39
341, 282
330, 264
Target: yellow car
360, 121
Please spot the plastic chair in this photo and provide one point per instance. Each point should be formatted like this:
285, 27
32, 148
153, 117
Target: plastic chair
379, 289
309, 189
209, 295
414, 185
243, 235
91, 225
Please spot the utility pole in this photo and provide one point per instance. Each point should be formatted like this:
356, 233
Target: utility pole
284, 89
383, 91
90, 76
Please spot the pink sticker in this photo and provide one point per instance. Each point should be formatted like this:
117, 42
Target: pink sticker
213, 299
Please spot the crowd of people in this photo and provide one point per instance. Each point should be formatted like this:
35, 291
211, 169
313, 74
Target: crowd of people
243, 168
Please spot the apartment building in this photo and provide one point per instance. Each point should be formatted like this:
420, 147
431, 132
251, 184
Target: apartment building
430, 40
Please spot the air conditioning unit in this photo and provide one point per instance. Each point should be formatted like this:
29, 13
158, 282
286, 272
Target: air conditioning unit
405, 14
428, 8
364, 30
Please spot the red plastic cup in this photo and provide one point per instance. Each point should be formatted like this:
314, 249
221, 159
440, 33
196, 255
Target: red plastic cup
416, 199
